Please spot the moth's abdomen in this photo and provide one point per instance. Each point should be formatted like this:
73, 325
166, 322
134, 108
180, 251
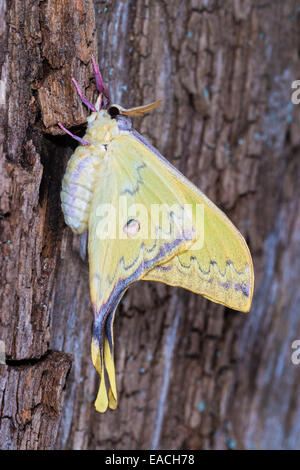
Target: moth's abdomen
78, 186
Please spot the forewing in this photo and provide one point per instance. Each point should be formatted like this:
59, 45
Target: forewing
126, 238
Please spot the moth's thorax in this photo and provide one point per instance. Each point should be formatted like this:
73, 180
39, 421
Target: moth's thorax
82, 170
101, 129
83, 167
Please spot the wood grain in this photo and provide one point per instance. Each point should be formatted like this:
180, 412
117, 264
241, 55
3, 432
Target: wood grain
191, 374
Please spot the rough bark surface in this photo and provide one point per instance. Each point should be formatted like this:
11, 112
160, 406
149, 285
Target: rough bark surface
191, 374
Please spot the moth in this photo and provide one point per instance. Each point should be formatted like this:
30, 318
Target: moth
115, 169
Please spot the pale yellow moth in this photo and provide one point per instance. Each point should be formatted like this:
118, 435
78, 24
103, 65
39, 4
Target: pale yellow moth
114, 169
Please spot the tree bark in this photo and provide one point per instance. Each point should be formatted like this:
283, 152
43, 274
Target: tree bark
191, 374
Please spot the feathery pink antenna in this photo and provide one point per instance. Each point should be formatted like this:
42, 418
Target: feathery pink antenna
103, 90
83, 142
101, 87
83, 98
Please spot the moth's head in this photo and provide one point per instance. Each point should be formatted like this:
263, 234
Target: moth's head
115, 110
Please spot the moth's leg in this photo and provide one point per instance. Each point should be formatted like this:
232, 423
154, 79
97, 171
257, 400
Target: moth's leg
83, 98
101, 87
83, 142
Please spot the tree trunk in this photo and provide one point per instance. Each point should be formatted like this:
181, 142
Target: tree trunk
191, 374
